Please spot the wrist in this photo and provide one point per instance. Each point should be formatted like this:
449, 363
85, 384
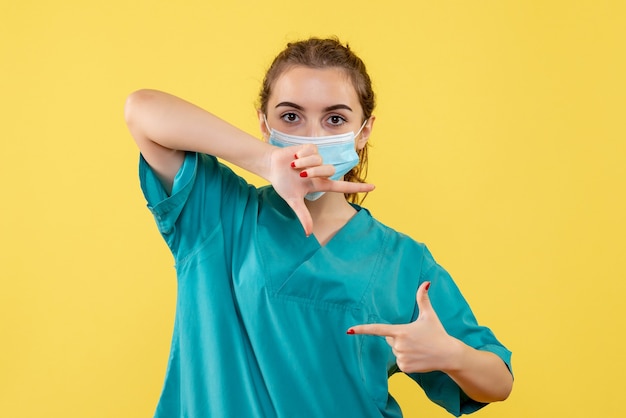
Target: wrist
455, 356
264, 163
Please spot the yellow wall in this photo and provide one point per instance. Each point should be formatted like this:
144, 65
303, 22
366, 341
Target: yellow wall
500, 142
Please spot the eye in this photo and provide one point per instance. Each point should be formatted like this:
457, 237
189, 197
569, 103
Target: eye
290, 117
336, 120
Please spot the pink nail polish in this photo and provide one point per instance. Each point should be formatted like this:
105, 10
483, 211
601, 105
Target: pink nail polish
350, 331
303, 174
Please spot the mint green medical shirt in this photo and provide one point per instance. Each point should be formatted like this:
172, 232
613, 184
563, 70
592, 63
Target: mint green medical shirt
262, 310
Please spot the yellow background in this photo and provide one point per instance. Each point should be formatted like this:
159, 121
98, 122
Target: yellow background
500, 142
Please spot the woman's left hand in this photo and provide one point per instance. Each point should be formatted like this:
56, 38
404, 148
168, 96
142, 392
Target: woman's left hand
421, 346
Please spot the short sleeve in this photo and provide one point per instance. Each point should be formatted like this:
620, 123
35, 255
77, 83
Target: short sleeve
166, 208
459, 321
206, 196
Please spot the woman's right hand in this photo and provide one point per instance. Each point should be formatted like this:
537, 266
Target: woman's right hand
164, 126
299, 170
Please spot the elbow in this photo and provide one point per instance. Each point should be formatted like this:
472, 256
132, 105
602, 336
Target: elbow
498, 393
506, 390
139, 111
506, 386
502, 395
134, 102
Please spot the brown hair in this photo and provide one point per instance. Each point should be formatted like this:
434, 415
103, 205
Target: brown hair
324, 53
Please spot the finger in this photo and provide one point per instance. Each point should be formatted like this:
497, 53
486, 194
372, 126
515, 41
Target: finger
423, 301
341, 186
312, 160
321, 172
382, 330
303, 214
305, 150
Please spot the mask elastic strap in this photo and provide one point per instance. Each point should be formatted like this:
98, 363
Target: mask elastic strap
269, 130
360, 129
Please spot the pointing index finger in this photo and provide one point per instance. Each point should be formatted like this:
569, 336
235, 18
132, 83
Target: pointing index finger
381, 330
340, 186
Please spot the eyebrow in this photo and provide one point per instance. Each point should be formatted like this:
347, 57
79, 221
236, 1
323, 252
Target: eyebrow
327, 109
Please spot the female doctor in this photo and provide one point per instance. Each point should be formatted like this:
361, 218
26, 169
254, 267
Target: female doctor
293, 301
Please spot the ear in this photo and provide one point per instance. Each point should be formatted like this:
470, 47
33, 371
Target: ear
262, 125
365, 133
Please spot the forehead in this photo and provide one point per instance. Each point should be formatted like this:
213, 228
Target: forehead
323, 86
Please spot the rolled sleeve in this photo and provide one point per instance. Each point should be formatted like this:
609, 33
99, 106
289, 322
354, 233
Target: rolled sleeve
167, 208
459, 321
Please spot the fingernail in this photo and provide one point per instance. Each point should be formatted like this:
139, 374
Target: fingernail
350, 331
295, 156
427, 286
303, 174
293, 164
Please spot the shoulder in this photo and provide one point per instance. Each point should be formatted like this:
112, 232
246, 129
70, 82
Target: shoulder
402, 261
398, 252
394, 239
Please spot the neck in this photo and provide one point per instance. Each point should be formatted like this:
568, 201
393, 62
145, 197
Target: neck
329, 213
330, 205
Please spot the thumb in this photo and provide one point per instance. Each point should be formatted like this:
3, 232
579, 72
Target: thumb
303, 214
423, 301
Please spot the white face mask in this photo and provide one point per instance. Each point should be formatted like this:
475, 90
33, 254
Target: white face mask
337, 150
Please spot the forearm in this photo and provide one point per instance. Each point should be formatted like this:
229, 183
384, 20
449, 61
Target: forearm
482, 375
175, 124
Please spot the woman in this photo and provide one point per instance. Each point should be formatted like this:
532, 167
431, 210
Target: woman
285, 291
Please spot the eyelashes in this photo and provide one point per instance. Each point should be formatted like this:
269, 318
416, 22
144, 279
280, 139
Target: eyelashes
333, 120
